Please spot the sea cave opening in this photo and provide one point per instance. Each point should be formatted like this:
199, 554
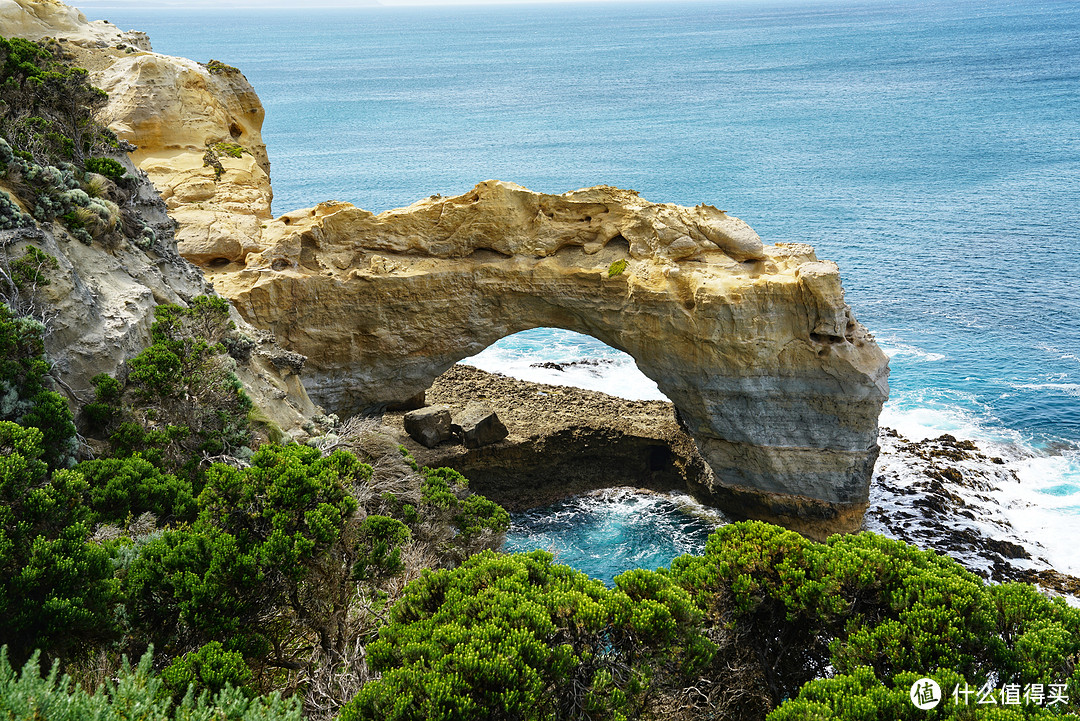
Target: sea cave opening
602, 481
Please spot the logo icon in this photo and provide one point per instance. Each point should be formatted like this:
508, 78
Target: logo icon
925, 693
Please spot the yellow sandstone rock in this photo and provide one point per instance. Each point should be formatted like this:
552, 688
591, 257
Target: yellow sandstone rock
777, 382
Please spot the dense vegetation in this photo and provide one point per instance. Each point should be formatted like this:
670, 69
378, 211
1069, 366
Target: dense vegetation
53, 153
262, 580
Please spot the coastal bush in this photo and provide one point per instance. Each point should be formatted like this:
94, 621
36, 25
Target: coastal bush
47, 105
11, 215
794, 611
182, 403
24, 396
616, 268
209, 669
379, 547
519, 637
108, 167
135, 693
464, 523
56, 588
239, 574
120, 488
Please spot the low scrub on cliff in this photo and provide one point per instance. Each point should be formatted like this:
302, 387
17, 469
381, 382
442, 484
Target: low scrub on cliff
47, 105
52, 150
765, 623
181, 405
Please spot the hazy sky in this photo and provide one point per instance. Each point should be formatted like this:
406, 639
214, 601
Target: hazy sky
151, 4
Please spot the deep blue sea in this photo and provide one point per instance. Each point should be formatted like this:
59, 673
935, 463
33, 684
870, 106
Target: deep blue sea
932, 149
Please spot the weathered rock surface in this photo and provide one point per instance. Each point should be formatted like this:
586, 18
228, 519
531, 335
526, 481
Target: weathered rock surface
102, 300
37, 19
561, 441
779, 385
100, 305
477, 426
428, 426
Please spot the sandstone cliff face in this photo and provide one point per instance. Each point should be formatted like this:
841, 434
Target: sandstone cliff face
37, 19
777, 382
100, 303
174, 111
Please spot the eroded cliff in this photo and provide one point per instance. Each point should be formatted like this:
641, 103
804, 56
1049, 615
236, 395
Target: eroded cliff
99, 301
777, 382
196, 127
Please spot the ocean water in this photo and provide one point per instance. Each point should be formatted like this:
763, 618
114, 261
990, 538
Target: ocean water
610, 531
932, 149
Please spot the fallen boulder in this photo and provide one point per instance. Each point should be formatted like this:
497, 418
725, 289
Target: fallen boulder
429, 426
477, 425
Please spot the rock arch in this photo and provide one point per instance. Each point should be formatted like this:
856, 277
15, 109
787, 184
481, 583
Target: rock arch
777, 382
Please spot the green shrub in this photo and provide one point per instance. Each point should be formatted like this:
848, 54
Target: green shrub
209, 669
216, 67
110, 168
518, 637
56, 588
441, 486
123, 487
182, 401
478, 513
863, 604
616, 268
134, 694
240, 572
379, 548
49, 104
11, 215
24, 397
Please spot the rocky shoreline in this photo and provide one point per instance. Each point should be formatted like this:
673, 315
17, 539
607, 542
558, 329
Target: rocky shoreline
563, 441
937, 494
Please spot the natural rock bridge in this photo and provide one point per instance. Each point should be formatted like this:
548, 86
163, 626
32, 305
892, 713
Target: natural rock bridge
778, 384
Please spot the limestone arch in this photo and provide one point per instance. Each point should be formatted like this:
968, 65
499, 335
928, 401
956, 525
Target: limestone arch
777, 382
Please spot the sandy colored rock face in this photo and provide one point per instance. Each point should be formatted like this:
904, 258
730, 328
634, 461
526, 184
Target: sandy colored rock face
778, 384
173, 110
36, 19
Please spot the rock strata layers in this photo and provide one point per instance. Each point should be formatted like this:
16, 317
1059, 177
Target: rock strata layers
773, 377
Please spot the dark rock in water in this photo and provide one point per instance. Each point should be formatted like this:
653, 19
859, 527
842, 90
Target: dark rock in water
589, 363
428, 426
478, 426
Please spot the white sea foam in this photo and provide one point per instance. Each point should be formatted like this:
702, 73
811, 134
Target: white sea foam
606, 369
896, 349
1070, 389
1040, 510
1036, 498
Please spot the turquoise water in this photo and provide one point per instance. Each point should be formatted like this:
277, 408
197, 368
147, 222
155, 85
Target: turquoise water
931, 149
608, 532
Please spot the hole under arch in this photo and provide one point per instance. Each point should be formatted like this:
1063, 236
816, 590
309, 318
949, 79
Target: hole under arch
562, 357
